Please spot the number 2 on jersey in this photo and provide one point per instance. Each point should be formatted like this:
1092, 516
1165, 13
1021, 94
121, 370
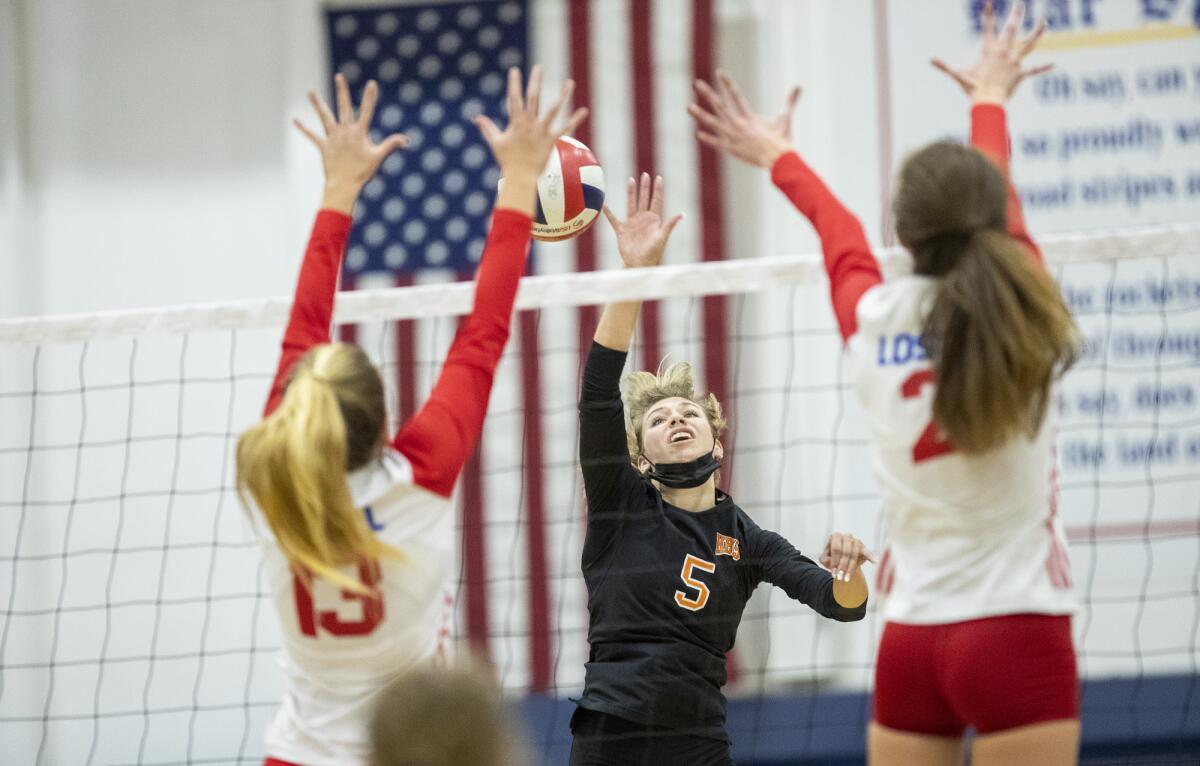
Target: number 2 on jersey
328, 619
688, 573
931, 443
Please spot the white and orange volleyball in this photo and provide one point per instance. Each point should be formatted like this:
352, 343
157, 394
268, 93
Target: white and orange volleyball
570, 192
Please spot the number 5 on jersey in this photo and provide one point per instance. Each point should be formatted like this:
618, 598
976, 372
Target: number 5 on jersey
688, 573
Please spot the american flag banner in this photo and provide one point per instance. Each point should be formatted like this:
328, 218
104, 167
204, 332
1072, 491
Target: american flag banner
521, 600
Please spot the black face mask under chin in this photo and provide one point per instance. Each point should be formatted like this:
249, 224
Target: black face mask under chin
685, 475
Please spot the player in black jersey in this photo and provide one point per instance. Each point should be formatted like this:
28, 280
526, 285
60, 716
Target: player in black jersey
669, 560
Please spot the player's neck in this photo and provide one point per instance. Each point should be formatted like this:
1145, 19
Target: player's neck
694, 499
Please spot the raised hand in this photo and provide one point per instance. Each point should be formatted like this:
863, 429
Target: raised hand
642, 237
523, 147
347, 152
999, 70
725, 121
844, 554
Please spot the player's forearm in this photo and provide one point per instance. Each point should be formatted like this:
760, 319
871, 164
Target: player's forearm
340, 196
851, 594
312, 307
851, 267
989, 134
498, 278
518, 193
617, 323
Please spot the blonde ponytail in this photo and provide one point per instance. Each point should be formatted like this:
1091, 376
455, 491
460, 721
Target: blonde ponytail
294, 462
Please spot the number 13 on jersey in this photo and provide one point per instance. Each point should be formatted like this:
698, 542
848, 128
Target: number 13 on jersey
311, 617
688, 573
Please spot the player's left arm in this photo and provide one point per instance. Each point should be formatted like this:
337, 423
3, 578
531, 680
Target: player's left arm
727, 123
838, 591
641, 241
990, 83
439, 438
350, 158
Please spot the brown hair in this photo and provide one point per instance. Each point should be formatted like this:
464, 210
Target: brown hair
643, 389
997, 331
294, 461
443, 717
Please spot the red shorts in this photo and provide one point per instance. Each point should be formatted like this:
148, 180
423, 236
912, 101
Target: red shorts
993, 674
277, 762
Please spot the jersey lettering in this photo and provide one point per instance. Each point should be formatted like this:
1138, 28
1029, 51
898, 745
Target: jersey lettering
931, 443
901, 348
728, 546
311, 618
688, 574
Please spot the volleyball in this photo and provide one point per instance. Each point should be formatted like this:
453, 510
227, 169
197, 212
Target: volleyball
570, 192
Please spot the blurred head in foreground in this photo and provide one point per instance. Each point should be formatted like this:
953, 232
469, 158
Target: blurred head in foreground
435, 716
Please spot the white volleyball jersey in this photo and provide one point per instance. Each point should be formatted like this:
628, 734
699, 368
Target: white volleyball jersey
967, 536
341, 648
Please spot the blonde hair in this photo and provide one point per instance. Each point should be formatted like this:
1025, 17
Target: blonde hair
643, 389
294, 462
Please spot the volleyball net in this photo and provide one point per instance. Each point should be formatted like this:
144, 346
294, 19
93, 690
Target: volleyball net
135, 624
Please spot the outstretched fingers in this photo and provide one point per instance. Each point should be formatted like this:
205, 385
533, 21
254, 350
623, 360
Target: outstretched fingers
733, 93
656, 196
487, 128
786, 115
366, 109
1035, 71
392, 143
670, 227
706, 120
322, 109
344, 105
716, 103
987, 24
573, 122
513, 100
1029, 43
533, 91
613, 221
1015, 17
311, 135
960, 77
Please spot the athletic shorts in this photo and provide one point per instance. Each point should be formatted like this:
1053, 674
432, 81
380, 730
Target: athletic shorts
991, 674
277, 762
600, 739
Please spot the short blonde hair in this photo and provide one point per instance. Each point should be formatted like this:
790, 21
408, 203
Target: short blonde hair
643, 389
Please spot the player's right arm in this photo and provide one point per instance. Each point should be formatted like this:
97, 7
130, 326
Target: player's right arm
727, 123
350, 159
837, 591
608, 477
439, 438
989, 83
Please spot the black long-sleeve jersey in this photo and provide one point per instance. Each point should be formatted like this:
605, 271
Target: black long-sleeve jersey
667, 587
